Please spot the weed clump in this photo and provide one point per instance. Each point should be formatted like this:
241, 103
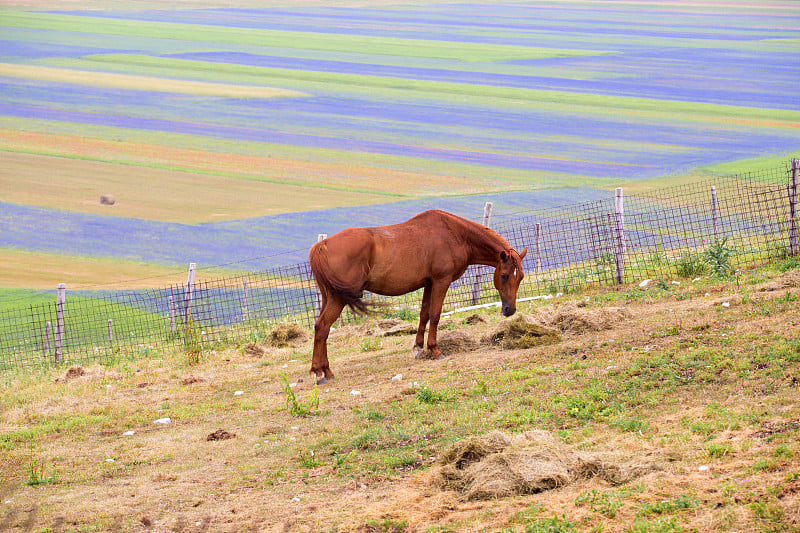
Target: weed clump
498, 465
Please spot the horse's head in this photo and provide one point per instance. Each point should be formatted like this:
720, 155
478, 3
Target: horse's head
507, 277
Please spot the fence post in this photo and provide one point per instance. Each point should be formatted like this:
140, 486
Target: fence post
189, 293
476, 284
318, 298
110, 333
619, 230
714, 209
538, 240
171, 314
59, 333
793, 208
245, 306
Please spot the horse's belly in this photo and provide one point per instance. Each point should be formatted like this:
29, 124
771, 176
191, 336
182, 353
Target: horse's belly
394, 287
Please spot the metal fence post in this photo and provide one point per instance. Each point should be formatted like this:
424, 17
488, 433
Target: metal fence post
189, 295
538, 241
793, 250
171, 314
619, 230
476, 284
59, 333
46, 338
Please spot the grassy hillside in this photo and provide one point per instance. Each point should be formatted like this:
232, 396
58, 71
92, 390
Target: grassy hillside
697, 381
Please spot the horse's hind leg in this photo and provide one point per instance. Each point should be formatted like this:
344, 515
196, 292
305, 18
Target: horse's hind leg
330, 310
424, 315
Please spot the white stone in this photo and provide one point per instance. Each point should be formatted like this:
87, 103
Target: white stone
355, 393
703, 468
725, 304
109, 460
645, 283
162, 421
128, 433
238, 393
295, 500
398, 377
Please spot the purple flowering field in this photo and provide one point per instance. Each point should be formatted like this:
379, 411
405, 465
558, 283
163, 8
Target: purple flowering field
529, 105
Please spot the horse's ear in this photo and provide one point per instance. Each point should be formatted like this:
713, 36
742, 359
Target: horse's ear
523, 253
503, 255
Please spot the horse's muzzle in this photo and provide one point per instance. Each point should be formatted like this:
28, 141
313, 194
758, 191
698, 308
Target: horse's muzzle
509, 310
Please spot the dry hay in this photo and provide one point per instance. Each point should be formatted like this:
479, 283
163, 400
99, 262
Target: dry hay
456, 341
286, 334
73, 372
788, 281
570, 318
522, 332
497, 465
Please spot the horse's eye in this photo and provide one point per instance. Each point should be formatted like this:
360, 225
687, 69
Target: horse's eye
504, 277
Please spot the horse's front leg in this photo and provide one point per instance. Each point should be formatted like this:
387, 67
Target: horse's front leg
438, 292
330, 310
424, 314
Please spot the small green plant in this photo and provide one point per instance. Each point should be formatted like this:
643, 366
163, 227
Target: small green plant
309, 407
370, 344
551, 525
681, 503
607, 503
192, 343
718, 257
308, 460
388, 525
35, 468
718, 451
427, 395
690, 265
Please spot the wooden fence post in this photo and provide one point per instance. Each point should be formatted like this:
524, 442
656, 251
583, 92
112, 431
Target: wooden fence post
476, 284
59, 333
538, 241
714, 209
619, 230
318, 298
793, 250
189, 295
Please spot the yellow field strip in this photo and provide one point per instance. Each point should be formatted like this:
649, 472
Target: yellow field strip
142, 83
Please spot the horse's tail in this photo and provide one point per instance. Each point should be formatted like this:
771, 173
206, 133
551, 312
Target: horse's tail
328, 282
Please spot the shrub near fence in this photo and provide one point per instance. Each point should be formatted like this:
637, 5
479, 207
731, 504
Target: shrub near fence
674, 231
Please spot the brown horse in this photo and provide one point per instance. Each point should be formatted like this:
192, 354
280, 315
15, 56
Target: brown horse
430, 251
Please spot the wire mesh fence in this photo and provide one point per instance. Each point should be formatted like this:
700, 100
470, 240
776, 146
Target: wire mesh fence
688, 230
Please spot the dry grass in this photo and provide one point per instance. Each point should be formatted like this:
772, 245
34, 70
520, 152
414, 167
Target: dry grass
681, 382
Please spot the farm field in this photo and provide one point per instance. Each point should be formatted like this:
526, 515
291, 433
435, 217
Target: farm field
227, 126
684, 409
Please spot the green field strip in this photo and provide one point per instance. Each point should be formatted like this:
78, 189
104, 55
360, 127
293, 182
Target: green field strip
692, 111
503, 179
467, 52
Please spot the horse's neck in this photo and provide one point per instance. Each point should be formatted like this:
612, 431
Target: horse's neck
486, 246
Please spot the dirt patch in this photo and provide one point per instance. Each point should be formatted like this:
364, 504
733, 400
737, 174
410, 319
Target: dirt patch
254, 350
391, 327
497, 465
522, 332
73, 372
190, 380
220, 434
570, 318
286, 334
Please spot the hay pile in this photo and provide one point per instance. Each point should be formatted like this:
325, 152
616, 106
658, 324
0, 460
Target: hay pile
456, 341
286, 334
569, 318
522, 332
497, 465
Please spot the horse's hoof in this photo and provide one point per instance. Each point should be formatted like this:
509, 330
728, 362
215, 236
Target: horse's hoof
322, 381
438, 357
